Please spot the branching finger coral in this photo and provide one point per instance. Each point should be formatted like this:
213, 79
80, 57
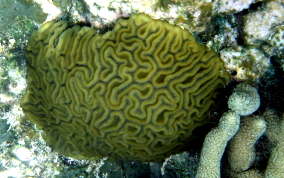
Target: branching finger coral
244, 100
241, 152
215, 143
217, 139
275, 133
251, 173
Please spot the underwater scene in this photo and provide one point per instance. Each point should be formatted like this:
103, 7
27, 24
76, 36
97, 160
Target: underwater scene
141, 88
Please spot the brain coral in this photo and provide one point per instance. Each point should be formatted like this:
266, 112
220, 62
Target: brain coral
136, 92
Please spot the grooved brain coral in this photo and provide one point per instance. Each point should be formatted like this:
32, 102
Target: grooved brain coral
136, 92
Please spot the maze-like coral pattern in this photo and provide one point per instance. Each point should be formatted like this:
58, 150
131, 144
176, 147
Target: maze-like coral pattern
278, 38
136, 92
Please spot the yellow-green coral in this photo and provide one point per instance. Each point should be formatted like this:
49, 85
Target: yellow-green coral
136, 92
